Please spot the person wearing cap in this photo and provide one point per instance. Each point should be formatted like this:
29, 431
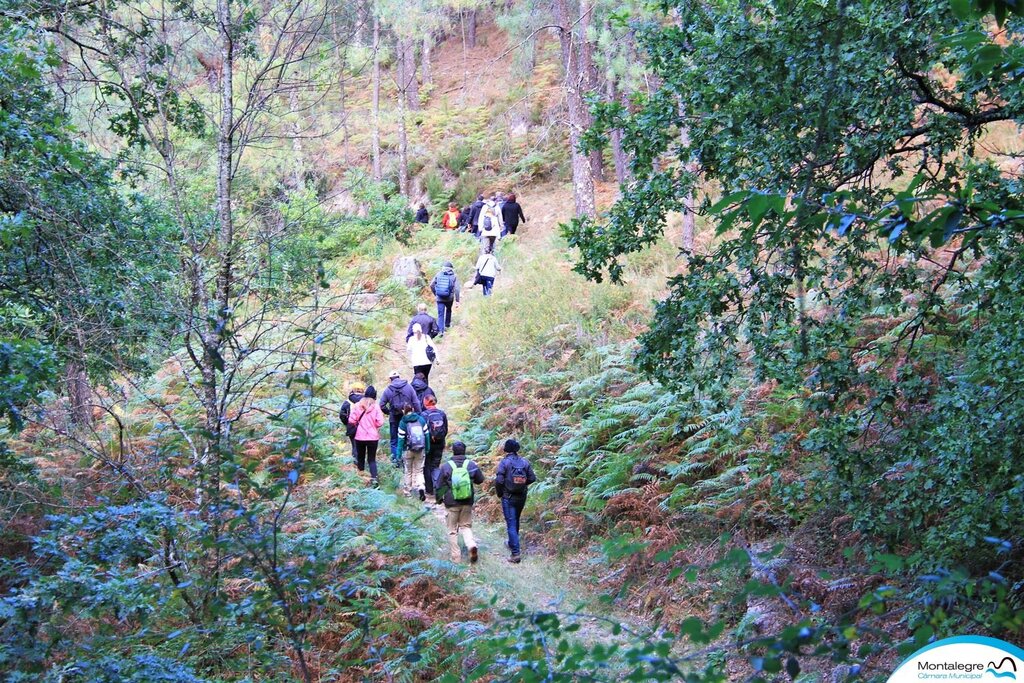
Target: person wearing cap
511, 481
421, 352
393, 401
445, 287
367, 418
459, 511
489, 224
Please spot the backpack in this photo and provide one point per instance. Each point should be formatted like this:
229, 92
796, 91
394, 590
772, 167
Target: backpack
398, 403
344, 413
435, 424
487, 222
451, 219
462, 485
443, 285
415, 437
516, 476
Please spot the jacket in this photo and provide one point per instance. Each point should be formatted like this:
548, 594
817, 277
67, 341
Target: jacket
454, 296
418, 351
487, 265
422, 215
398, 395
436, 416
511, 213
505, 468
427, 323
452, 214
444, 481
346, 407
406, 420
368, 422
474, 214
422, 389
490, 209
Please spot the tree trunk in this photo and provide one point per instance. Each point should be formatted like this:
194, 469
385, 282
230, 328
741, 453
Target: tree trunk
590, 80
428, 45
412, 88
471, 28
689, 224
79, 394
375, 134
582, 171
622, 173
403, 144
298, 167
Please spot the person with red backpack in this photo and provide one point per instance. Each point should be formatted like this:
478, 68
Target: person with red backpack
450, 218
437, 427
413, 444
511, 481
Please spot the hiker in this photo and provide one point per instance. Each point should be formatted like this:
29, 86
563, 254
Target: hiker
422, 215
464, 223
445, 287
454, 488
419, 385
355, 395
474, 214
513, 477
511, 213
489, 224
393, 401
450, 218
421, 351
437, 427
367, 418
413, 444
487, 268
425, 320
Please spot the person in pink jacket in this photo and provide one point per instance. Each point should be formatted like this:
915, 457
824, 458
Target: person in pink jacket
367, 418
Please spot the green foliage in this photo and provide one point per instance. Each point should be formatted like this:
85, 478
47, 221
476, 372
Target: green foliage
387, 214
842, 266
439, 195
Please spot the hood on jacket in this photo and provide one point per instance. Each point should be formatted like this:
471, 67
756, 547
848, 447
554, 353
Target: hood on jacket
397, 384
419, 385
355, 397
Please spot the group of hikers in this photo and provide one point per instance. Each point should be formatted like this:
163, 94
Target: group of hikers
418, 432
418, 428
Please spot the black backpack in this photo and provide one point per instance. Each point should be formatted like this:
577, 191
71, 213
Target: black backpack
516, 475
436, 424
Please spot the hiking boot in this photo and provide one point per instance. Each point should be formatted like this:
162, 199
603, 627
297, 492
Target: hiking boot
515, 559
374, 484
423, 496
473, 555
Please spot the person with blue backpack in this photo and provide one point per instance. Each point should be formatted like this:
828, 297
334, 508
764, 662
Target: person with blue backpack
396, 397
437, 426
413, 444
511, 481
454, 487
445, 287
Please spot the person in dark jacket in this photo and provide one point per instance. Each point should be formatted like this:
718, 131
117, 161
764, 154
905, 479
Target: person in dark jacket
464, 218
513, 477
422, 215
511, 213
437, 425
474, 214
393, 401
354, 397
427, 323
449, 282
459, 511
419, 385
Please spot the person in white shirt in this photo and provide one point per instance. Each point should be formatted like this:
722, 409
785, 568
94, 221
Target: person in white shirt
490, 224
421, 351
487, 268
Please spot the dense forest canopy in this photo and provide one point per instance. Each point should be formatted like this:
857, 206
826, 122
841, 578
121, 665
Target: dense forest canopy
758, 333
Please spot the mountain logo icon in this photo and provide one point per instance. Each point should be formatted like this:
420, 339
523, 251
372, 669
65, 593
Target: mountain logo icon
996, 669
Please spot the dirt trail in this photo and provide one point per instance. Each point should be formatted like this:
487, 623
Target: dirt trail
541, 582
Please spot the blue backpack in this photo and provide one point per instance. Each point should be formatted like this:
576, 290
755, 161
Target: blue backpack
443, 285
